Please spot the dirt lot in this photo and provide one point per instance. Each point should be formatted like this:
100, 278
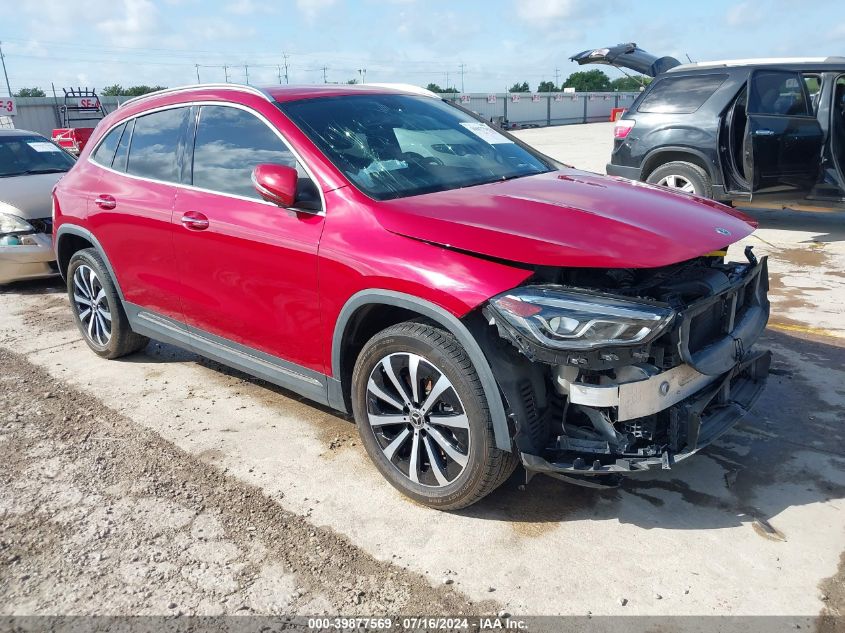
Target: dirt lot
164, 483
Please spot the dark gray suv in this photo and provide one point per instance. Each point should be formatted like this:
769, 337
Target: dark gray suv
770, 132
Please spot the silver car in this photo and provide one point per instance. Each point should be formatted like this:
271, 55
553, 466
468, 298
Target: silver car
29, 167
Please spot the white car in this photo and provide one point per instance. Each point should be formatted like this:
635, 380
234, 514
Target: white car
29, 167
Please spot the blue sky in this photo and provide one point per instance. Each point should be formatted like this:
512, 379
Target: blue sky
415, 41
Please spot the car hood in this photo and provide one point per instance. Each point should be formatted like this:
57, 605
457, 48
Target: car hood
569, 218
28, 197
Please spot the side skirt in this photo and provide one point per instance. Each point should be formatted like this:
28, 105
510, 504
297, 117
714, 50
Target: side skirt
305, 382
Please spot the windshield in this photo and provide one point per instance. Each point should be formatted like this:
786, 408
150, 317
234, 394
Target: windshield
22, 155
393, 146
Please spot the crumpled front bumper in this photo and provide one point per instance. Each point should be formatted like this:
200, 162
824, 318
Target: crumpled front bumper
703, 417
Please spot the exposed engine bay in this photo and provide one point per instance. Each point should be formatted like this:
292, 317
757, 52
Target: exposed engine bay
617, 371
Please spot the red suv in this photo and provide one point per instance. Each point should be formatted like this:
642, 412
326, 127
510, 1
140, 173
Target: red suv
473, 303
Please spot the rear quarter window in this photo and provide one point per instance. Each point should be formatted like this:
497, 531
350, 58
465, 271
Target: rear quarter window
680, 95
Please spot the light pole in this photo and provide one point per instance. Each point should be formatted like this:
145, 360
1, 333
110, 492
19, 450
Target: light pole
5, 74
362, 72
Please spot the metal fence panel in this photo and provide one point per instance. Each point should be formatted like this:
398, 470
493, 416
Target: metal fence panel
41, 115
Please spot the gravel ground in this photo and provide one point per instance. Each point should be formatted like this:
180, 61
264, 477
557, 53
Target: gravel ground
102, 517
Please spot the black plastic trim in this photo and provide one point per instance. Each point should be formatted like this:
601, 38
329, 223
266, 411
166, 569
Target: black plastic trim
444, 318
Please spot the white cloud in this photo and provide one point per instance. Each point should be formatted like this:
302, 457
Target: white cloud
744, 14
249, 7
310, 9
546, 13
136, 24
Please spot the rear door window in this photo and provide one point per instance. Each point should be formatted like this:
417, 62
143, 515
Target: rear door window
680, 95
104, 154
229, 143
778, 92
157, 143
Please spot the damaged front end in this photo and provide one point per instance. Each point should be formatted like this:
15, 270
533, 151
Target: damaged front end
610, 372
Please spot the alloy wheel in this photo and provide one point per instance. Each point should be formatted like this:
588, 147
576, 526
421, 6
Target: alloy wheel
92, 307
677, 182
418, 419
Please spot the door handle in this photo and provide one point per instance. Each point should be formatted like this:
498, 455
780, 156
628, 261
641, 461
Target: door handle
764, 132
194, 221
105, 201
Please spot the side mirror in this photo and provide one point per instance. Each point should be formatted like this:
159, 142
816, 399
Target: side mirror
275, 183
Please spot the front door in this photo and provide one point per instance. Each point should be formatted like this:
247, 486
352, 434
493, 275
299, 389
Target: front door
782, 148
248, 267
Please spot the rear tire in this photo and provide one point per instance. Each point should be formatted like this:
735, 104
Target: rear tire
97, 309
683, 176
438, 450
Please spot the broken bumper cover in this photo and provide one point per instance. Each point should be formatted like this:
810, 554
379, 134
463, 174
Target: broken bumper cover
701, 418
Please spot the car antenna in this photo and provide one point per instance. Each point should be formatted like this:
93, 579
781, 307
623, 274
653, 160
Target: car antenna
689, 59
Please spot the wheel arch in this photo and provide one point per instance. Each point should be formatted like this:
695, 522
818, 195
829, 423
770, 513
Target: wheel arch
389, 307
71, 238
664, 155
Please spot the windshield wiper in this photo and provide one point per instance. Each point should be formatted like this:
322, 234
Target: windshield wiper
50, 170
29, 172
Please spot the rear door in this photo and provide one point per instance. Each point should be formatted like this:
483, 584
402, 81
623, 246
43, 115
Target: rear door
782, 148
133, 203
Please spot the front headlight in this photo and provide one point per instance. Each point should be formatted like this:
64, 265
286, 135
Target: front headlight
13, 224
562, 319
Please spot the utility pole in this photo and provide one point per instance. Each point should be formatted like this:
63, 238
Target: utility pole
325, 79
5, 74
363, 73
226, 73
285, 55
198, 73
557, 78
246, 72
462, 66
447, 80
279, 70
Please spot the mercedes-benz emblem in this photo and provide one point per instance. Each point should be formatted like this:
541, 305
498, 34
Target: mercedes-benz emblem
722, 231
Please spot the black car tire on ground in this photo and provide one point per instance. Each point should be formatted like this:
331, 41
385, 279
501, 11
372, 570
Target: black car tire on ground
440, 354
680, 170
121, 339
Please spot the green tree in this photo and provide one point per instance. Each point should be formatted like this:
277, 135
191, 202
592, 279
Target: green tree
630, 84
136, 91
520, 87
30, 92
352, 82
546, 86
115, 90
434, 88
451, 90
588, 81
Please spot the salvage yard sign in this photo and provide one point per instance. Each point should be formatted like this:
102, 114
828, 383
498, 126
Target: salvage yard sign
7, 106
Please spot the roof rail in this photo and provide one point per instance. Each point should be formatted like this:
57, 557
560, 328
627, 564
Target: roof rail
230, 86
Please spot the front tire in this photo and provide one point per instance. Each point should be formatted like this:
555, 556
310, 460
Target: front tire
684, 177
97, 309
423, 418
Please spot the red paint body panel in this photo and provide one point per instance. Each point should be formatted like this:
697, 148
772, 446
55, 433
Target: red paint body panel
251, 276
276, 281
137, 237
568, 218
